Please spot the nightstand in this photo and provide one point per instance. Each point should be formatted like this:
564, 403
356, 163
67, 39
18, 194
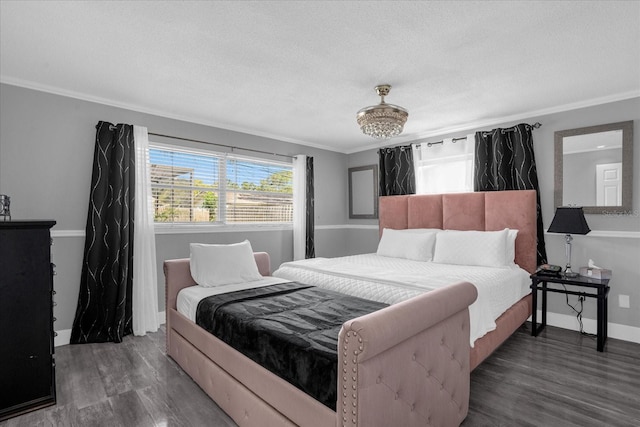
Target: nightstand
597, 288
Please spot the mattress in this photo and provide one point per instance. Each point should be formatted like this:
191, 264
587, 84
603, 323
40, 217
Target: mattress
189, 297
391, 280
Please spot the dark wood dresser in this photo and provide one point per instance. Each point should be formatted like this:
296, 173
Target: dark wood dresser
27, 364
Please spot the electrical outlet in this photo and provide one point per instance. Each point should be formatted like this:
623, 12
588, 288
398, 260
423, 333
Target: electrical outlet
623, 301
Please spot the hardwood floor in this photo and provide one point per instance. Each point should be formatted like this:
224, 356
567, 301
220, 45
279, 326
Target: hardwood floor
556, 379
133, 383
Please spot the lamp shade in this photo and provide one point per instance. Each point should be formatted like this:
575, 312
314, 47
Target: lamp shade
569, 220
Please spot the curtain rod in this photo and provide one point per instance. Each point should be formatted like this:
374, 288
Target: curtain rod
454, 140
536, 125
221, 145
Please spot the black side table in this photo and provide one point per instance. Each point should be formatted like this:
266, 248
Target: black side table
600, 288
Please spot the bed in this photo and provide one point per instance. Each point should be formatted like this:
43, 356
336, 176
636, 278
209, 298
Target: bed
406, 364
483, 211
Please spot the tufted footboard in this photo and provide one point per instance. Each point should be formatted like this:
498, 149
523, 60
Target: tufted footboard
408, 365
404, 365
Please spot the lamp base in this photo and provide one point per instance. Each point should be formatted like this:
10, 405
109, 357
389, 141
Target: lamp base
568, 272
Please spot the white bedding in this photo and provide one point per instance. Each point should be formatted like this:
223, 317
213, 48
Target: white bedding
391, 280
189, 297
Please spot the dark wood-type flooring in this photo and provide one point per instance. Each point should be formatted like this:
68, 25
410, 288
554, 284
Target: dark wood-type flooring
556, 379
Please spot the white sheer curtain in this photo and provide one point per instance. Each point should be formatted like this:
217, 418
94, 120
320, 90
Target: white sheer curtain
299, 206
145, 278
444, 168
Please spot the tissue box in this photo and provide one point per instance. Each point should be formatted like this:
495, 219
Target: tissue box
595, 273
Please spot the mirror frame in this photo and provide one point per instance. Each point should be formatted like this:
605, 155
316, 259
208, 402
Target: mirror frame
627, 165
371, 189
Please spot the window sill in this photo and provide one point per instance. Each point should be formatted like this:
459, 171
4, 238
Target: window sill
218, 228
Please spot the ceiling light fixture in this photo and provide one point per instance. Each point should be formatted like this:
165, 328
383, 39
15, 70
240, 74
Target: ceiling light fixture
382, 121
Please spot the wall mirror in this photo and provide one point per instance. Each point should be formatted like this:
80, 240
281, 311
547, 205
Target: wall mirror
363, 192
594, 168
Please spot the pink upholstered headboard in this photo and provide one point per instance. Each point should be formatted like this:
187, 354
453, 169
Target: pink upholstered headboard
484, 211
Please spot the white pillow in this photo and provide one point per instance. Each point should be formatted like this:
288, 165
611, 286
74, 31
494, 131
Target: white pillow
417, 246
484, 248
217, 265
511, 246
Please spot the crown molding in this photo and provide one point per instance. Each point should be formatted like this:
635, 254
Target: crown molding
505, 119
465, 127
139, 109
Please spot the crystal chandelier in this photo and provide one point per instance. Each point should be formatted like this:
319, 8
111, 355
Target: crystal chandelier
382, 121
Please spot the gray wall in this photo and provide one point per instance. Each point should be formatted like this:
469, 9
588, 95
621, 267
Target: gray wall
46, 155
620, 254
46, 152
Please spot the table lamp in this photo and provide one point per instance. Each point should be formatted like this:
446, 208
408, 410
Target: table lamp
569, 220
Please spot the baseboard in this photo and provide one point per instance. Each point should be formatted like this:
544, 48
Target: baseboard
63, 338
64, 335
614, 330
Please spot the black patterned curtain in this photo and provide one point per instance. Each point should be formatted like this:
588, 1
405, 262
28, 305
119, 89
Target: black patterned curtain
104, 303
504, 160
310, 247
397, 176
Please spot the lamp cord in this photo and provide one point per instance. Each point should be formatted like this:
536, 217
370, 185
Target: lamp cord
578, 312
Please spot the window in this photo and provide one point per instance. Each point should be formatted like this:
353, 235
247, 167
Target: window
193, 186
444, 168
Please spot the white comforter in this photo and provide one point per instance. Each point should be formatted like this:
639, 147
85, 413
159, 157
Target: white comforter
391, 280
189, 297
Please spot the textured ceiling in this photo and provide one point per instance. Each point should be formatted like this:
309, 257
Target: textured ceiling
299, 71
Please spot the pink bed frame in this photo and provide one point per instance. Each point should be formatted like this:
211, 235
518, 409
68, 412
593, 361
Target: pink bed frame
488, 211
407, 364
